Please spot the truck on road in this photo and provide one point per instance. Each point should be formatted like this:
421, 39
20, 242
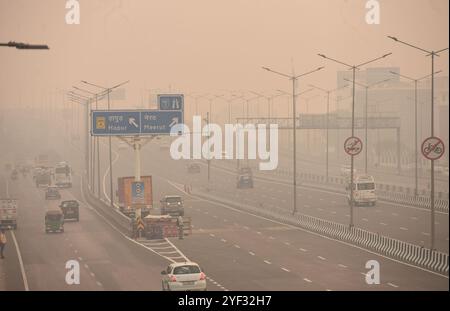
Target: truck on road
8, 213
63, 175
129, 201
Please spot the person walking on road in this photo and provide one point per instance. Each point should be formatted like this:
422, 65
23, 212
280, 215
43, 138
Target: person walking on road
2, 242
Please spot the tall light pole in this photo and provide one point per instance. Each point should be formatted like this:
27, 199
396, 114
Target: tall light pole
416, 147
433, 54
108, 91
354, 68
367, 87
86, 102
328, 92
96, 147
294, 78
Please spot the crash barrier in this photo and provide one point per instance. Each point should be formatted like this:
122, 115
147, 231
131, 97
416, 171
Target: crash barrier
405, 252
123, 223
390, 193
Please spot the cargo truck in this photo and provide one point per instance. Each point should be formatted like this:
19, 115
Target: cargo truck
8, 213
128, 202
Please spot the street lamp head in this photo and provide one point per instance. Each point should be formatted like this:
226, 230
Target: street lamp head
386, 55
322, 55
393, 38
265, 68
320, 68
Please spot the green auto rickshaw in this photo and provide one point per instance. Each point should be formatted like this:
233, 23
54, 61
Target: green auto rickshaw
54, 221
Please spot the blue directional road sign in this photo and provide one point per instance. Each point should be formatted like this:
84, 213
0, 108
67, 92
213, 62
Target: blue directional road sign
115, 122
171, 101
160, 121
134, 122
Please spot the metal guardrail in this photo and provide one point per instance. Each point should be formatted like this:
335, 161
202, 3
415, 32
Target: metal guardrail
123, 223
392, 248
390, 193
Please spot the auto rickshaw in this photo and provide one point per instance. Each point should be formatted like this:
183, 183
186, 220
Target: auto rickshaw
54, 221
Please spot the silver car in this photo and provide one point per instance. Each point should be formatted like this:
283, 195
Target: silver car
183, 276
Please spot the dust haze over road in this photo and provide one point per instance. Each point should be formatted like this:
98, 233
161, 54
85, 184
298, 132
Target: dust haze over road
229, 63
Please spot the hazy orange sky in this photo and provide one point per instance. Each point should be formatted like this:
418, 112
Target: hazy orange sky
208, 45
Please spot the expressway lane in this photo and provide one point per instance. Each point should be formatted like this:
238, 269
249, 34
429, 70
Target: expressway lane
107, 260
244, 252
405, 223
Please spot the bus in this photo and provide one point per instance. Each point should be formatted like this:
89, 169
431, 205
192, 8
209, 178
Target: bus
63, 175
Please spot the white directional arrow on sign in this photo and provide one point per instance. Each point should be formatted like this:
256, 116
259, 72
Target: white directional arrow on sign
132, 121
174, 121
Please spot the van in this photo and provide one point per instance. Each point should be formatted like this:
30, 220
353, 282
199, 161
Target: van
364, 191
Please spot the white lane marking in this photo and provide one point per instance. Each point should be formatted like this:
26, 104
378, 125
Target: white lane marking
267, 262
75, 251
99, 284
363, 273
321, 258
252, 253
215, 216
383, 224
246, 228
316, 234
320, 209
321, 199
80, 258
223, 240
347, 215
272, 238
342, 266
86, 266
307, 280
19, 256
303, 250
414, 218
425, 233
237, 246
212, 235
393, 285
284, 269
258, 232
287, 243
365, 219
92, 274
333, 212
403, 228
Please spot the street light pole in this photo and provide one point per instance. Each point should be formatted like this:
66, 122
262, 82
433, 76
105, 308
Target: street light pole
328, 92
108, 91
416, 152
366, 121
432, 54
294, 79
353, 67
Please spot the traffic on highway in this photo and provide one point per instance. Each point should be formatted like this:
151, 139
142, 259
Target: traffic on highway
224, 146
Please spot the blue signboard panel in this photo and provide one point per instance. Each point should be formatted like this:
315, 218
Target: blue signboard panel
137, 192
134, 122
171, 102
116, 122
159, 121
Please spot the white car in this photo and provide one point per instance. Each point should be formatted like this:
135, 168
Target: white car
183, 276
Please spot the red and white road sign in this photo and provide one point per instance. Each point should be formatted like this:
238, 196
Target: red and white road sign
433, 148
353, 145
